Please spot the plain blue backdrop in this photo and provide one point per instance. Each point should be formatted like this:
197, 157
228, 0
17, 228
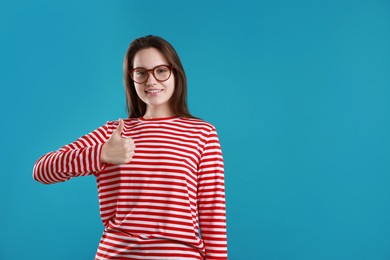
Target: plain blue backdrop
298, 91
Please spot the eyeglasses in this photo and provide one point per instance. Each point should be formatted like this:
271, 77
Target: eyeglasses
160, 73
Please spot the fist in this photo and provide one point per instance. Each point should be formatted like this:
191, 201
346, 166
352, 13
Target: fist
118, 150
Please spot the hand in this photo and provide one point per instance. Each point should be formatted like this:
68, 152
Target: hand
118, 150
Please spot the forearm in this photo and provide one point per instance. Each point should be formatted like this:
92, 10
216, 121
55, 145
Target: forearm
212, 216
64, 164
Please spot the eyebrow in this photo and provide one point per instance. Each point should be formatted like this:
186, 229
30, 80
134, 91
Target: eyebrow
140, 67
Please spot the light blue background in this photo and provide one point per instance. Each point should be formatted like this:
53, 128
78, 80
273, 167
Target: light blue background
298, 91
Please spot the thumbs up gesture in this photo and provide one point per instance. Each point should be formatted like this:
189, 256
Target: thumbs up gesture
118, 150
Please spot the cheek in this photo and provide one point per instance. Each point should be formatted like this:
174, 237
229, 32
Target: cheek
171, 83
138, 89
170, 89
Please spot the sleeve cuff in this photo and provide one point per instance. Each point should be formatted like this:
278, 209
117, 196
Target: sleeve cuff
99, 165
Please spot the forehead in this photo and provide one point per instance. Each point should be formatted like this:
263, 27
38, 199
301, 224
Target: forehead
149, 58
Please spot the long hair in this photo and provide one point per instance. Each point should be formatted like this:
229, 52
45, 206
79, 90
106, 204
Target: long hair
135, 106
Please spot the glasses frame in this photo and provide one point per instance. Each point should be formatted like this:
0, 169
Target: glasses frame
170, 67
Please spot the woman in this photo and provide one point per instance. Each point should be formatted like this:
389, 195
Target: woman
159, 172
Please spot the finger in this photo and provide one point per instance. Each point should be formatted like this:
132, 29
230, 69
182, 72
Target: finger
129, 148
128, 142
132, 147
119, 129
129, 156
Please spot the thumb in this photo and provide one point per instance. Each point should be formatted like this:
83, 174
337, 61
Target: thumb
119, 129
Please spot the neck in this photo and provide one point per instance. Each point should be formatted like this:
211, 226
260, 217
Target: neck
153, 112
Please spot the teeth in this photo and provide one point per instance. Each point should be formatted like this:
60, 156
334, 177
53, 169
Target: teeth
154, 91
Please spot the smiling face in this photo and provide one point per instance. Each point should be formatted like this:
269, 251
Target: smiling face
155, 94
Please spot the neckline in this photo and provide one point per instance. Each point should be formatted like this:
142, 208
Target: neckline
169, 118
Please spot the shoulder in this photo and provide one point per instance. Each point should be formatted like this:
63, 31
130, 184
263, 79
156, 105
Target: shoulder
196, 123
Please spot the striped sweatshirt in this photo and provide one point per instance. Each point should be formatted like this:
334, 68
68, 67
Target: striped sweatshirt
168, 202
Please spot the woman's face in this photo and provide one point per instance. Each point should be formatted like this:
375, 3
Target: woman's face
155, 94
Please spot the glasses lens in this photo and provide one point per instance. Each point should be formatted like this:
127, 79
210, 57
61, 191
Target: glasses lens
139, 75
162, 72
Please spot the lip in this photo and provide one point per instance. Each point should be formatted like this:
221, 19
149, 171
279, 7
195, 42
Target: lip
153, 91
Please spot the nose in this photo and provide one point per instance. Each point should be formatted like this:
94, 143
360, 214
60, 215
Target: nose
151, 79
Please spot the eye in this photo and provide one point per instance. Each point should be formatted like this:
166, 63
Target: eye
139, 73
162, 70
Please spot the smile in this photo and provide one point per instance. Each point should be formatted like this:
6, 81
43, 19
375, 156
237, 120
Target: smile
153, 91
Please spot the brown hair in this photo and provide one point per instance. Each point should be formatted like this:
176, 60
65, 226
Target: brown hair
135, 106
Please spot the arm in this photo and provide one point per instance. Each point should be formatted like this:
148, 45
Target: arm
79, 158
211, 199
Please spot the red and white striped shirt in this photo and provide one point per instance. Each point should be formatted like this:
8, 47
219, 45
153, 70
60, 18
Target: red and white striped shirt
154, 206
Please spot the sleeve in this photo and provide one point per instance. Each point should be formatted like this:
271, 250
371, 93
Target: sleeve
80, 158
211, 199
